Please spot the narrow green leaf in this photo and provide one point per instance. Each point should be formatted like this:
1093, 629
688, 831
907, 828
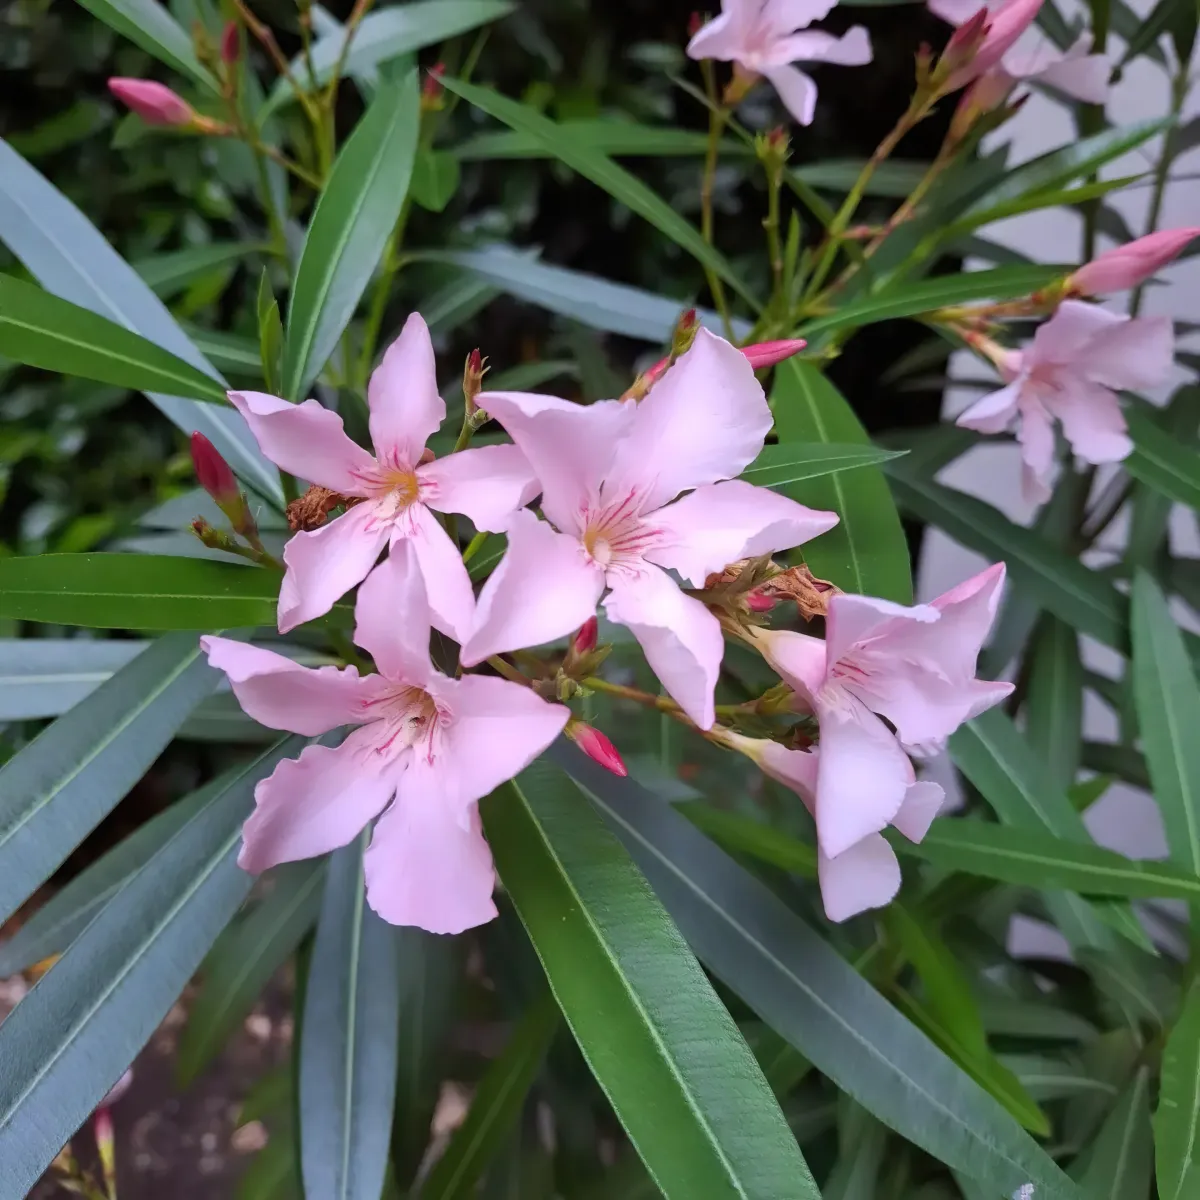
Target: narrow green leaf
496, 1107
1150, 29
1037, 859
1054, 704
388, 34
40, 330
1177, 1119
243, 962
67, 255
349, 1039
270, 335
1121, 1163
434, 179
807, 993
603, 172
136, 591
349, 229
1168, 708
616, 137
855, 1175
912, 299
1063, 585
1160, 461
866, 551
58, 922
679, 1076
792, 462
748, 836
173, 271
69, 1040
43, 677
588, 299
149, 25
60, 786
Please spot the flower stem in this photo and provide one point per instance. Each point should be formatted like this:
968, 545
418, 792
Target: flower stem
508, 671
717, 116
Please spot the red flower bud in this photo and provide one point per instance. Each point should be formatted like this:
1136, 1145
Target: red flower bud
596, 746
767, 354
586, 638
154, 102
431, 89
473, 371
759, 602
231, 45
695, 24
212, 470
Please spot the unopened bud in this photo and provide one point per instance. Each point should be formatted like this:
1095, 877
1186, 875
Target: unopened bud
695, 24
585, 640
767, 354
1130, 265
964, 44
473, 372
154, 102
212, 471
759, 602
596, 746
102, 1130
685, 333
432, 89
231, 44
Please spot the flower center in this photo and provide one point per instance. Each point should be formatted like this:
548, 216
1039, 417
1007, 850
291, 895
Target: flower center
407, 716
396, 489
615, 535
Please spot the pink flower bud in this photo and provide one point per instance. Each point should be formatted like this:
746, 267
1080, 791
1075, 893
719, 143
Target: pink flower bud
596, 746
767, 354
154, 102
1128, 266
231, 46
1005, 24
758, 601
965, 42
213, 471
586, 638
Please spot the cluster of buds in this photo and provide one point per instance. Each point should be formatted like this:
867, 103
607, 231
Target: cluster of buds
216, 477
583, 658
773, 149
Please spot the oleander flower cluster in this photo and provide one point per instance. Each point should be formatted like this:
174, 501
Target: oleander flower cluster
631, 504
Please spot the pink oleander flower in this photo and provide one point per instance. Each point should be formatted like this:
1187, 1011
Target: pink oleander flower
397, 488
764, 37
426, 749
760, 355
609, 472
914, 666
1132, 264
866, 874
1070, 372
154, 102
1076, 71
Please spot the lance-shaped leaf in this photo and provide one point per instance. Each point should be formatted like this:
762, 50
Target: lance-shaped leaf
866, 551
136, 591
69, 1040
792, 462
1054, 706
40, 330
60, 786
603, 172
1168, 464
806, 992
672, 1062
1120, 1164
67, 255
43, 677
350, 227
1177, 1120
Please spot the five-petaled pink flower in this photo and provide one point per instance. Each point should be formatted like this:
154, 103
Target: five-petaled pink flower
866, 874
1069, 372
436, 744
914, 666
396, 488
609, 472
1076, 71
1132, 264
764, 37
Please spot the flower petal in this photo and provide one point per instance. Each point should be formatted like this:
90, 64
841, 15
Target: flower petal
425, 866
281, 694
322, 566
542, 589
795, 769
862, 775
315, 803
681, 639
1066, 337
993, 412
780, 17
392, 618
866, 875
853, 620
487, 484
800, 659
1135, 355
570, 447
406, 408
307, 440
704, 420
448, 589
1082, 76
723, 522
922, 803
852, 49
723, 37
496, 730
1036, 435
1092, 422
796, 89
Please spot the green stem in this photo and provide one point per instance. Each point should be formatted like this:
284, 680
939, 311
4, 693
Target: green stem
473, 546
717, 116
1091, 121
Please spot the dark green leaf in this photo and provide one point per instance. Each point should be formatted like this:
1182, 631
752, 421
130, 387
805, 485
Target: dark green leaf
603, 172
668, 1055
434, 179
1163, 462
136, 591
1177, 1120
614, 137
866, 551
349, 1039
1054, 705
270, 335
69, 1040
43, 677
792, 462
1121, 1163
173, 271
60, 786
349, 229
40, 330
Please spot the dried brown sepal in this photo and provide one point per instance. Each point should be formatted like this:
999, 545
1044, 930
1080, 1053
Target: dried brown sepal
798, 584
312, 510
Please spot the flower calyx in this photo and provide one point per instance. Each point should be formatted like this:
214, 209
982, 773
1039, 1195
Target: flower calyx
311, 511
